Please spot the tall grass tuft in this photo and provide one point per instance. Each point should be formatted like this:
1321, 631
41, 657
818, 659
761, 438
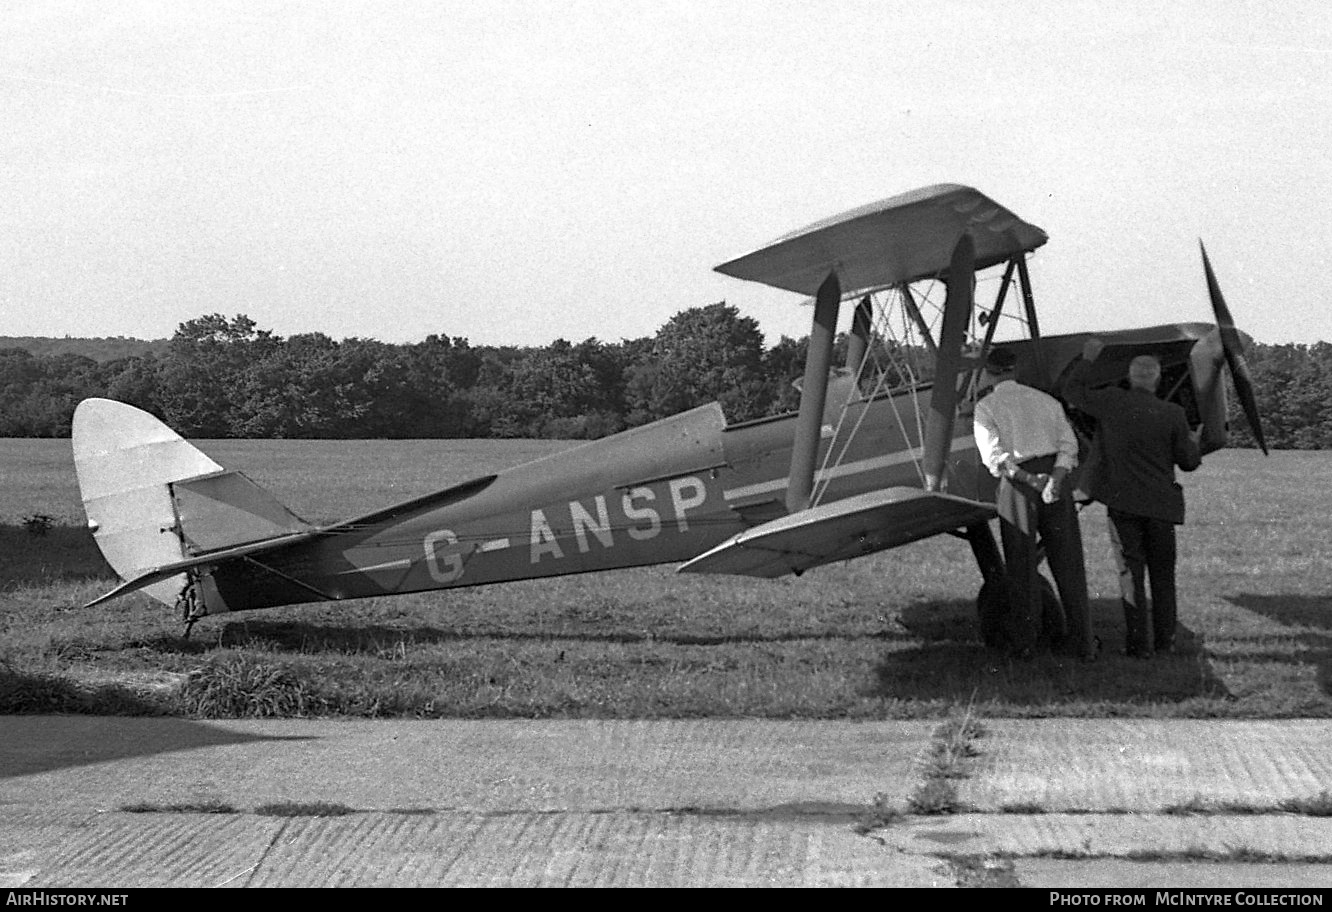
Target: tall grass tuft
206, 806
1318, 806
239, 687
304, 809
953, 745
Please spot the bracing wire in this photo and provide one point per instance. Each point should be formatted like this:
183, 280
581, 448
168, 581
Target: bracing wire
894, 343
871, 355
895, 369
824, 475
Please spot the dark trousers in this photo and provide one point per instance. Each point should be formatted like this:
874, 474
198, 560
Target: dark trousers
1143, 546
1026, 523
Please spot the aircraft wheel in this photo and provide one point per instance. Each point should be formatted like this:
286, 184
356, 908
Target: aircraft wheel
1053, 622
991, 606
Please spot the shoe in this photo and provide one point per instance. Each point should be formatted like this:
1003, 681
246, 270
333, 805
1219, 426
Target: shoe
1094, 652
1165, 648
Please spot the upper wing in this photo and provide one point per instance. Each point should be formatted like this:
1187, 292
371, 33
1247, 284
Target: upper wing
899, 239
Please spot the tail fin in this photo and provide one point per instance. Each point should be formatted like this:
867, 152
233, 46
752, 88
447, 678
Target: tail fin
153, 499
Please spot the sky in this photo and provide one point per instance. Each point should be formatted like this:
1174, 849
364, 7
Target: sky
517, 172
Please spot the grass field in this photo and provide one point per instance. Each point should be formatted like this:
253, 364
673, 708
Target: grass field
890, 636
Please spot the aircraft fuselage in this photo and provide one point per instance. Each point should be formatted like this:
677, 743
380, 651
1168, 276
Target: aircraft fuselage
661, 493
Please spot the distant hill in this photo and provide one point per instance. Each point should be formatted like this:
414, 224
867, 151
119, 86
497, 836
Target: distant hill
102, 350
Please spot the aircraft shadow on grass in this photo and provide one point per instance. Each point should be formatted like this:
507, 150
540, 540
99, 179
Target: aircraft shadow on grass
932, 651
57, 554
372, 639
947, 631
1312, 613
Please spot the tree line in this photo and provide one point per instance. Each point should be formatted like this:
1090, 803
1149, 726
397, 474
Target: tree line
226, 377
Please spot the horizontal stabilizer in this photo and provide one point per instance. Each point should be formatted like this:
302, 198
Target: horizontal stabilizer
839, 531
167, 571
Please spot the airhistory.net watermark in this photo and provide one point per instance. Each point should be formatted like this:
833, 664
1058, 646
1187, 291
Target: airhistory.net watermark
64, 898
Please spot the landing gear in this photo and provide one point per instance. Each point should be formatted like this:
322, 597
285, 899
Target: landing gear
190, 603
992, 601
992, 607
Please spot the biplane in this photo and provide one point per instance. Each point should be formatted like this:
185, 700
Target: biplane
879, 453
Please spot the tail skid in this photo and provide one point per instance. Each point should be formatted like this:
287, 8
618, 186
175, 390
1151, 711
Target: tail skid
159, 508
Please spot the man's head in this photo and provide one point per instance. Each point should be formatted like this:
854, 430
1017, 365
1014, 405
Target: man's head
1145, 372
1000, 363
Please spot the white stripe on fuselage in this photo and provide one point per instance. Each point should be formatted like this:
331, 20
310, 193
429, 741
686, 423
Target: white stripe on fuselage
402, 564
857, 467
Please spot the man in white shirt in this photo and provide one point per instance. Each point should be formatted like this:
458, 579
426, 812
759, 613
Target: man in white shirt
1025, 441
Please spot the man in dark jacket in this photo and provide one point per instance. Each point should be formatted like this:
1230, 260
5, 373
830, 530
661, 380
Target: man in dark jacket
1141, 439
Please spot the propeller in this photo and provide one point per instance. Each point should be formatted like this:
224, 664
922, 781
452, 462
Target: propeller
1233, 347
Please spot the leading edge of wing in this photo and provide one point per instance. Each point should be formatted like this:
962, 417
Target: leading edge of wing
841, 530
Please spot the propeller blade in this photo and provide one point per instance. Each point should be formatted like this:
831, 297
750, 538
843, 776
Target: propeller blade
1233, 347
1239, 372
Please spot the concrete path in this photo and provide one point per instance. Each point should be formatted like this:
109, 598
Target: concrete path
129, 802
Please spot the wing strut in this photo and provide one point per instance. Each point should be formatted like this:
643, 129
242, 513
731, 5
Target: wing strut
943, 398
813, 392
992, 321
857, 345
909, 302
1024, 278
